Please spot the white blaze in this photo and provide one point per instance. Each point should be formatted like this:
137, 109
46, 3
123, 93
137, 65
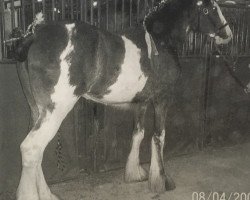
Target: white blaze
131, 79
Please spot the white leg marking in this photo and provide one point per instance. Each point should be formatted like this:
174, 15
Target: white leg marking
219, 40
134, 171
156, 172
131, 79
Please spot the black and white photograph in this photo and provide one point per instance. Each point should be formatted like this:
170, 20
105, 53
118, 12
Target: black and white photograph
124, 99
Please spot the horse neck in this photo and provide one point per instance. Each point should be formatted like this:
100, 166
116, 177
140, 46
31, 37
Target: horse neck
166, 60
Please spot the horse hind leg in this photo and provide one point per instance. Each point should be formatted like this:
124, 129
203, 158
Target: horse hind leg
32, 185
42, 188
134, 171
159, 180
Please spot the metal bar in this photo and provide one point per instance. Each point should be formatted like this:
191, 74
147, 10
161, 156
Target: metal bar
85, 11
44, 9
123, 14
91, 12
130, 12
145, 6
71, 9
137, 11
153, 3
12, 14
63, 9
53, 10
33, 8
77, 10
107, 14
81, 10
115, 17
99, 13
23, 15
2, 23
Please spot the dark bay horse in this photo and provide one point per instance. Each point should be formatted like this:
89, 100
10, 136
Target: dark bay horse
67, 61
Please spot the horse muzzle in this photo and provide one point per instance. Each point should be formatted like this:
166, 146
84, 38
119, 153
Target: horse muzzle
224, 35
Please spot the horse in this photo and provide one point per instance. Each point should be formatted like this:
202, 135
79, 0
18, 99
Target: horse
60, 62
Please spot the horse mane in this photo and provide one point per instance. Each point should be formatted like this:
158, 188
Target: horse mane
168, 11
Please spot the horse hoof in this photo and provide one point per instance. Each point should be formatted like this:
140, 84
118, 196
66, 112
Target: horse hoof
54, 197
169, 185
157, 184
136, 174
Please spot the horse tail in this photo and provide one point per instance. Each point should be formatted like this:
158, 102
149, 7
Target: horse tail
24, 78
23, 44
22, 48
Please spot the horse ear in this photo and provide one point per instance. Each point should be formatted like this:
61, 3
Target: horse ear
152, 50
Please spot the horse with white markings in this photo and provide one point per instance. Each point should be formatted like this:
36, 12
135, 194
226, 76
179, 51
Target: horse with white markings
67, 61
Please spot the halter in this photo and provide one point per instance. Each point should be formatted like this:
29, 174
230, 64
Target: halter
206, 11
228, 62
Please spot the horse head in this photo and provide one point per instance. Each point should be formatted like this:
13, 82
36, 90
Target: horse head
210, 20
168, 24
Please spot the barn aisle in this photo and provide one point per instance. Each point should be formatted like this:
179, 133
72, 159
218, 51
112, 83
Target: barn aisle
219, 170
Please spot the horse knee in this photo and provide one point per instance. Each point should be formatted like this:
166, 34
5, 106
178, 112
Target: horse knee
31, 154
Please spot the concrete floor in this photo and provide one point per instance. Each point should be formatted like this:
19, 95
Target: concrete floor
214, 170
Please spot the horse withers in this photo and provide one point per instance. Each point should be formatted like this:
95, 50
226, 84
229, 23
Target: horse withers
67, 61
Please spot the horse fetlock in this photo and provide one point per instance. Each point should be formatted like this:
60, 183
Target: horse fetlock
135, 174
156, 182
26, 196
169, 184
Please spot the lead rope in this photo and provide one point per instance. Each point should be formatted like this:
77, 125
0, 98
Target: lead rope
231, 69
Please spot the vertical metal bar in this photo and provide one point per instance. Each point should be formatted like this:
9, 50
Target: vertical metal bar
81, 10
145, 6
130, 12
99, 13
44, 9
33, 8
123, 14
19, 17
23, 15
137, 11
107, 14
53, 10
71, 9
77, 9
12, 14
153, 3
115, 22
63, 9
85, 11
2, 23
91, 12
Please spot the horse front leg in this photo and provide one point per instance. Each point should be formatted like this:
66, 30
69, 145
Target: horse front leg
134, 171
159, 180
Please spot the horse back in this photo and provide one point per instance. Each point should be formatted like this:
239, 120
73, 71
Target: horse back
94, 62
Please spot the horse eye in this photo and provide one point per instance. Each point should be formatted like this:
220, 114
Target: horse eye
199, 3
205, 11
